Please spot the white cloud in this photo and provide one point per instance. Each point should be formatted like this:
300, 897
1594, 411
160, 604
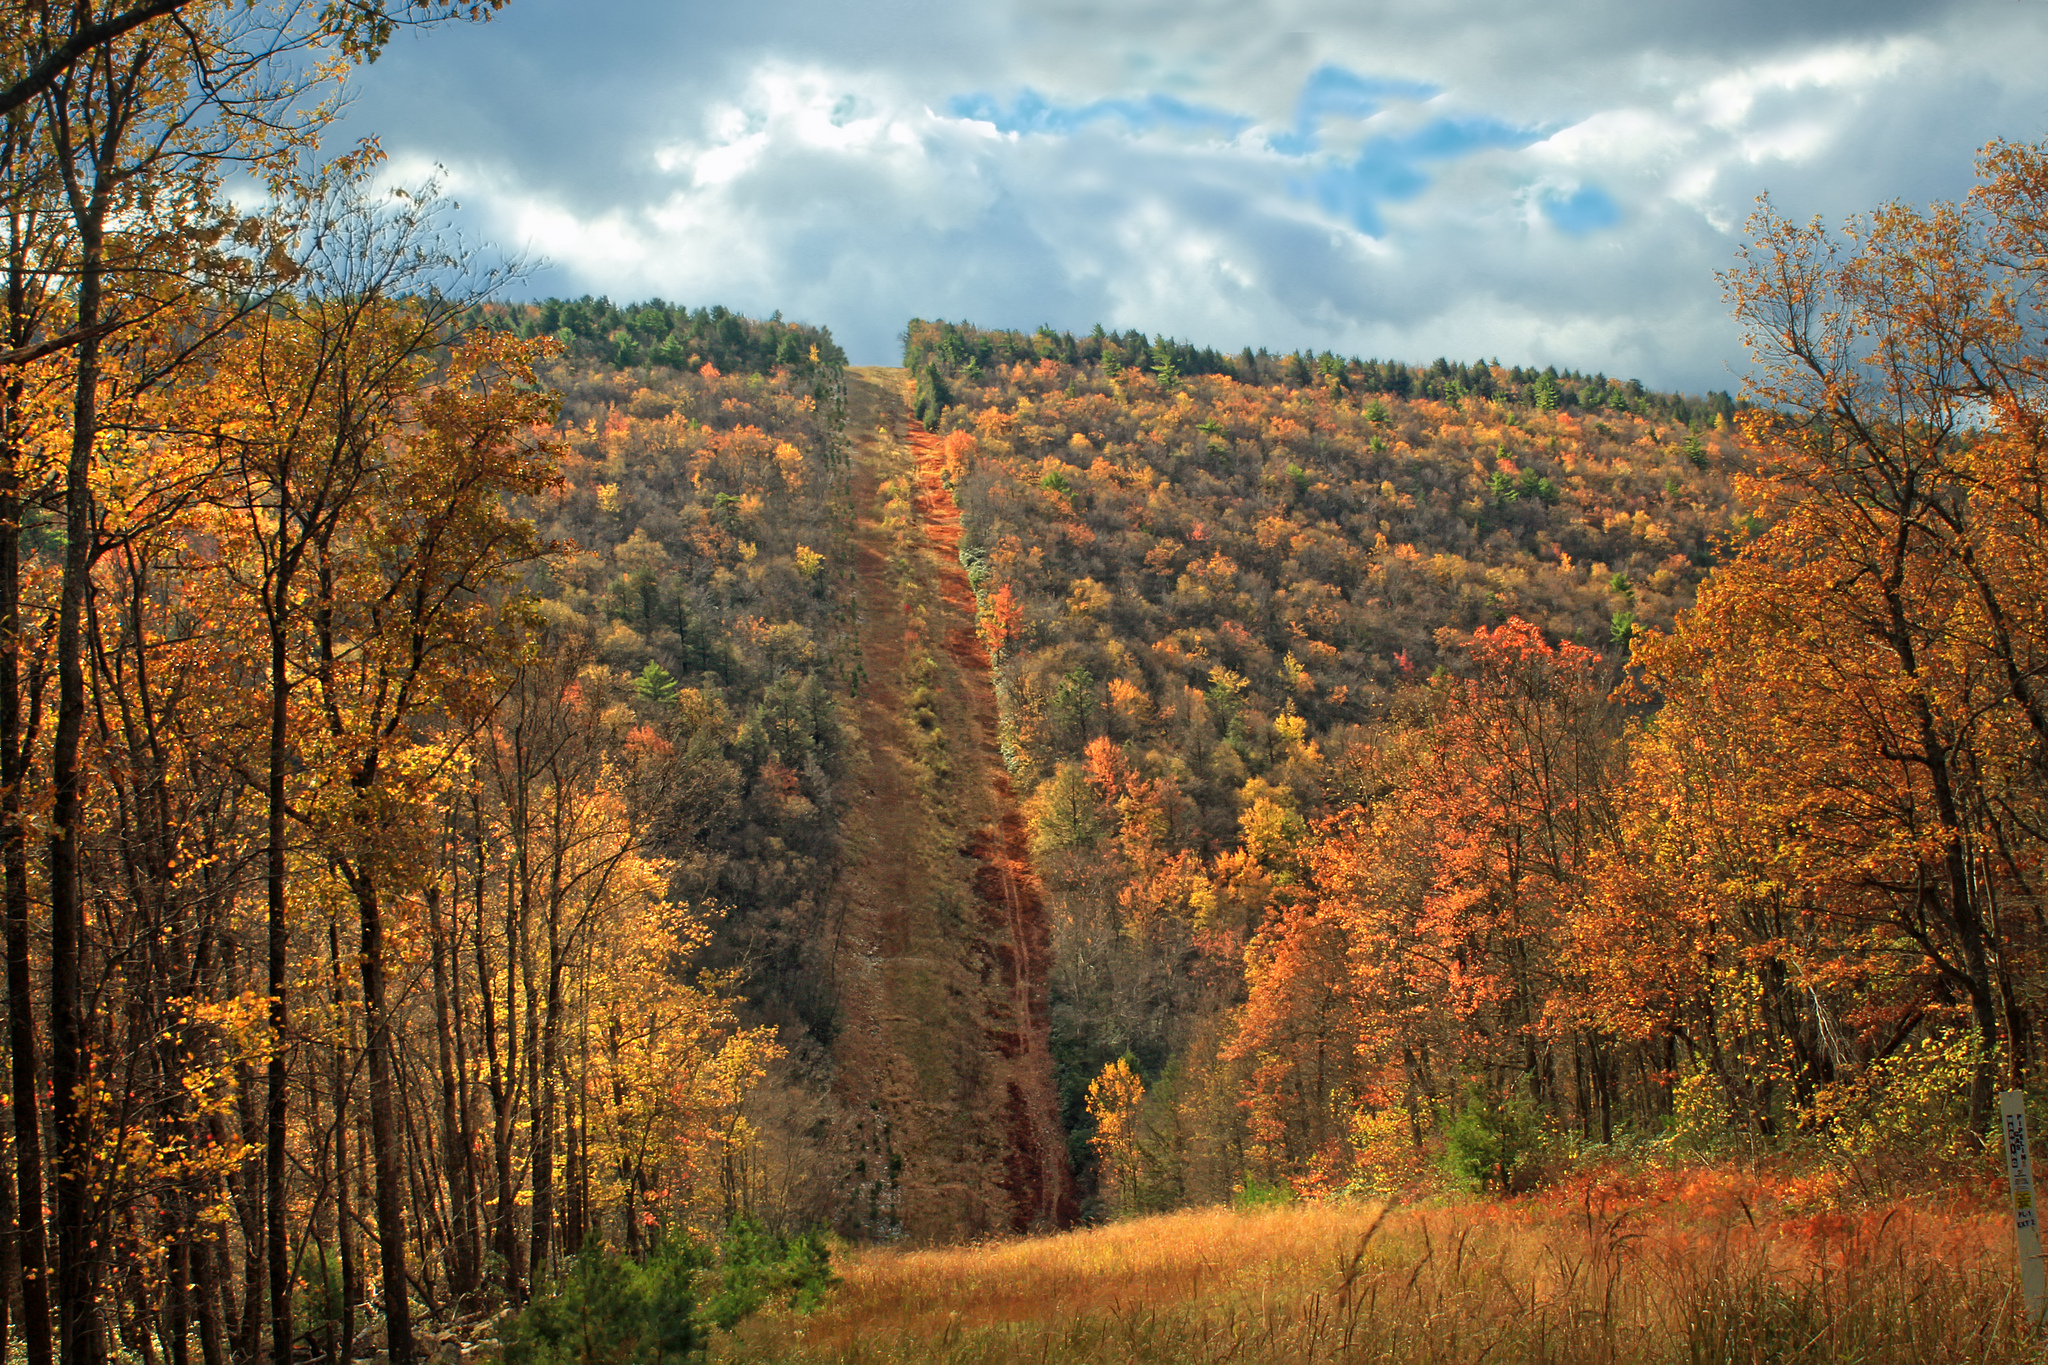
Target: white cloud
1730, 100
1556, 185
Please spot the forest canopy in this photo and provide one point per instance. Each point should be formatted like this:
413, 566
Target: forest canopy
669, 335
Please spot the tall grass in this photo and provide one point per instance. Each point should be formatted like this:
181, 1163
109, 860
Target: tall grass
1700, 1276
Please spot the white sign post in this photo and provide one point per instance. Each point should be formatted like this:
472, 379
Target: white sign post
2019, 1174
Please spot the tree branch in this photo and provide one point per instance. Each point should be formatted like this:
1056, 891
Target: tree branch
23, 355
83, 41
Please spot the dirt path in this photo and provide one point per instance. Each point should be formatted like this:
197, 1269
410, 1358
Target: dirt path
942, 954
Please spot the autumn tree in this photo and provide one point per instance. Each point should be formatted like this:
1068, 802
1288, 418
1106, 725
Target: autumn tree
1717, 933
1115, 1100
1422, 950
308, 393
1900, 571
121, 122
402, 632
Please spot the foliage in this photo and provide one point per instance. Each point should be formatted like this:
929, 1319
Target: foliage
1258, 1194
665, 1302
756, 1268
661, 335
1115, 1099
611, 1309
710, 565
1702, 1120
1337, 665
1901, 580
1492, 1138
422, 758
376, 820
1909, 1107
1204, 598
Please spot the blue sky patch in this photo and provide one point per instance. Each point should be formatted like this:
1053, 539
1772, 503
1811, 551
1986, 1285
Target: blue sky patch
1391, 169
1384, 170
1331, 91
1588, 210
1031, 112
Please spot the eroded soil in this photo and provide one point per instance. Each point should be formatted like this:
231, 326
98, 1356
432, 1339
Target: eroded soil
943, 945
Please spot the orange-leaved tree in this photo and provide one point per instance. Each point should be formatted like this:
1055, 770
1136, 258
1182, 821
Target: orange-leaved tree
1422, 951
1897, 591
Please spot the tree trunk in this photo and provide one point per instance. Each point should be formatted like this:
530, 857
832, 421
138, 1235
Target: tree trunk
501, 1068
247, 1323
344, 1210
178, 1301
384, 1136
278, 1234
71, 1070
544, 1090
461, 1172
32, 1252
32, 1264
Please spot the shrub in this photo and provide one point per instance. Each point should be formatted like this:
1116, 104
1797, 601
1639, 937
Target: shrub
1258, 1194
1386, 1158
612, 1309
1913, 1104
1701, 1118
1493, 1137
756, 1267
609, 1309
316, 1299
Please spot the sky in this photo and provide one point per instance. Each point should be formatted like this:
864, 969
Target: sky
1543, 184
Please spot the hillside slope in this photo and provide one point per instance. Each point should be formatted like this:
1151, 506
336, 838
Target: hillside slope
1213, 596
940, 946
789, 621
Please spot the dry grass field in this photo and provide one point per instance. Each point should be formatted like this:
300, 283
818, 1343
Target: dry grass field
1695, 1267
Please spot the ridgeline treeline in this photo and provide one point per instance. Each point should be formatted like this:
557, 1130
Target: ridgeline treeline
935, 352
669, 336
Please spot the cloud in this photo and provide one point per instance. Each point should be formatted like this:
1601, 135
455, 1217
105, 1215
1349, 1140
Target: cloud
1556, 185
1332, 94
1399, 167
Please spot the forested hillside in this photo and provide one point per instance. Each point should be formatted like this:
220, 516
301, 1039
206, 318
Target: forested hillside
1401, 800
1212, 597
751, 591
701, 524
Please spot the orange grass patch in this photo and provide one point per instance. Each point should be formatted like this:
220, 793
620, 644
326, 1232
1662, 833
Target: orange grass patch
1696, 1268
1205, 1254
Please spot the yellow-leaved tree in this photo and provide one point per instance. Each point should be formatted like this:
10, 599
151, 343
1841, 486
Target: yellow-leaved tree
1116, 1099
